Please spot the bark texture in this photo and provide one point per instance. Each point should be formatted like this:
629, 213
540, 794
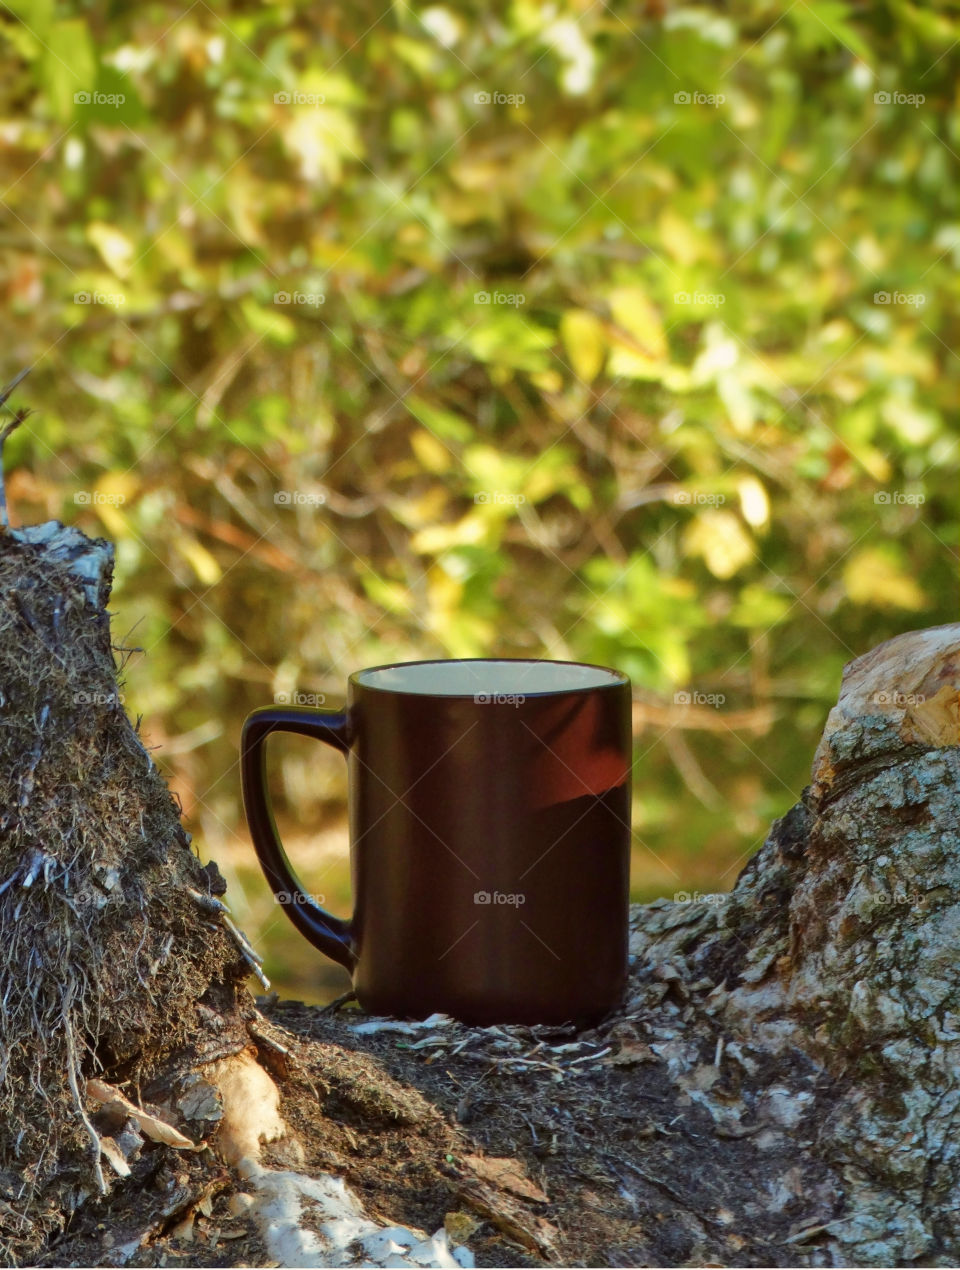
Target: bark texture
840, 943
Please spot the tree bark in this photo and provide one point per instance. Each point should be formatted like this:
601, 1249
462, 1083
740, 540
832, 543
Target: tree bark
778, 1087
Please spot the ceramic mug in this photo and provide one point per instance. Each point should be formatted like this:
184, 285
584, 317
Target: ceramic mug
489, 810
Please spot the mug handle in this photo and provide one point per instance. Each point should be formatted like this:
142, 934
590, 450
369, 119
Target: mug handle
328, 933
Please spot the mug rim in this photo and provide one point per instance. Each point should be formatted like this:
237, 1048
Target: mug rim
618, 678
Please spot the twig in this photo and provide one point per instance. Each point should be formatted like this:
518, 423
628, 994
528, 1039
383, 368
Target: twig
210, 904
249, 953
241, 938
6, 392
10, 428
333, 1006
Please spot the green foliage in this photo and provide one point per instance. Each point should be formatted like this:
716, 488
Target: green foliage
564, 331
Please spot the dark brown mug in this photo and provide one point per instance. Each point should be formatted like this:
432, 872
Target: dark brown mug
489, 806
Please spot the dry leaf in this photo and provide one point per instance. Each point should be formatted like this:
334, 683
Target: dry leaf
631, 1052
155, 1128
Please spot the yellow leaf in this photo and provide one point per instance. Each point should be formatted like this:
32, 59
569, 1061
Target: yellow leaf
633, 311
432, 454
875, 577
436, 539
322, 138
444, 593
720, 538
111, 492
754, 503
115, 247
678, 237
117, 487
584, 340
550, 381
425, 510
204, 565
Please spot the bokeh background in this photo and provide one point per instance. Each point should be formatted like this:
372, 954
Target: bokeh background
622, 333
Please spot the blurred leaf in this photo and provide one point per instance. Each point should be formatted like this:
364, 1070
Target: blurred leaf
432, 454
204, 565
583, 338
642, 356
754, 504
68, 64
758, 608
720, 538
875, 576
114, 247
444, 423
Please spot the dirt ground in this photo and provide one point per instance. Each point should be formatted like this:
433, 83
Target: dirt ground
647, 1140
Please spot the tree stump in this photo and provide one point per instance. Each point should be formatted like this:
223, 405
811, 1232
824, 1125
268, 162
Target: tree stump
779, 1086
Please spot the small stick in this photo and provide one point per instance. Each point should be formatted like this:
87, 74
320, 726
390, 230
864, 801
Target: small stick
585, 1057
241, 939
209, 902
333, 1006
255, 969
274, 1045
6, 392
11, 427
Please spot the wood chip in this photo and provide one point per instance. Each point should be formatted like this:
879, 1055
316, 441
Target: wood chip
116, 1157
507, 1173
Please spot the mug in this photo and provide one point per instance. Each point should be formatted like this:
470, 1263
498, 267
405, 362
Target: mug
489, 814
